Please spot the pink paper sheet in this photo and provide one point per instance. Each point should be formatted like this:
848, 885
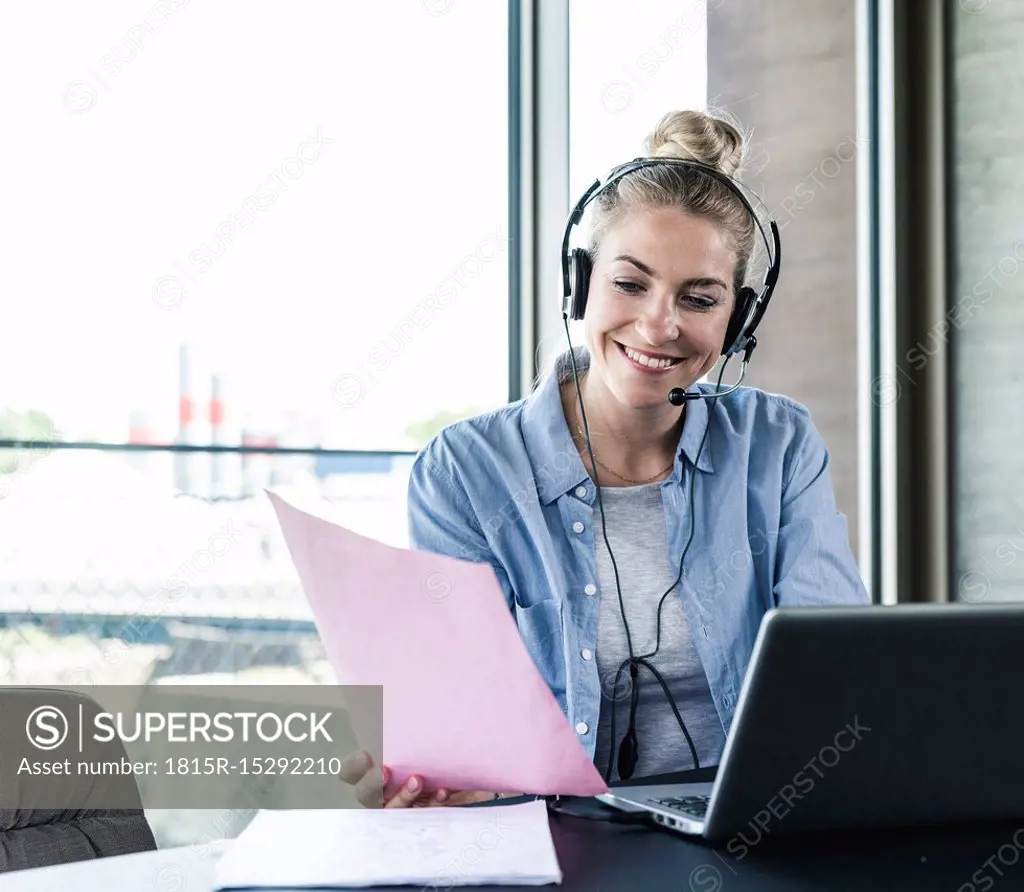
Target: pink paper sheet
464, 705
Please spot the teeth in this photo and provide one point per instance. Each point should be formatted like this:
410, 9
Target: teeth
648, 361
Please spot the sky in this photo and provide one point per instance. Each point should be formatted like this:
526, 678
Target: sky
351, 159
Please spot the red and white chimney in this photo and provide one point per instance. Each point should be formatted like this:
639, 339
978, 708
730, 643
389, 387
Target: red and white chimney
183, 465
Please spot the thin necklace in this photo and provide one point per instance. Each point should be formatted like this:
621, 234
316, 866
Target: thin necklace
579, 430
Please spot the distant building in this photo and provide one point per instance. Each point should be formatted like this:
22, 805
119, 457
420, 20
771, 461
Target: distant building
328, 465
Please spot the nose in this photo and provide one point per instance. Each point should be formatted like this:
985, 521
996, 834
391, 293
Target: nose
657, 322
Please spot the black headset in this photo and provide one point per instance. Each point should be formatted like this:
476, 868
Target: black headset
747, 312
750, 306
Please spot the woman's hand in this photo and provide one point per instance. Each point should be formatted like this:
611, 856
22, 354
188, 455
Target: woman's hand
370, 785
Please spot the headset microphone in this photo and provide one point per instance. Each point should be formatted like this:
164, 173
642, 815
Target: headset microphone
677, 396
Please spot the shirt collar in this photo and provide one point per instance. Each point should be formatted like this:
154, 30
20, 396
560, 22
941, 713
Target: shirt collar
556, 462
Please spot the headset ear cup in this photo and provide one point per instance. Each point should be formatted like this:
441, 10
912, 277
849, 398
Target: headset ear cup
579, 273
744, 301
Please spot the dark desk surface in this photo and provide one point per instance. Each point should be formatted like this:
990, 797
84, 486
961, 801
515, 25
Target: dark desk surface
602, 856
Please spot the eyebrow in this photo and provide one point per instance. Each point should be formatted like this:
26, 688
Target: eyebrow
689, 283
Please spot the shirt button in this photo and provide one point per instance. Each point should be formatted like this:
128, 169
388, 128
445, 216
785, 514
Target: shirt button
581, 491
577, 527
581, 728
586, 654
591, 589
727, 700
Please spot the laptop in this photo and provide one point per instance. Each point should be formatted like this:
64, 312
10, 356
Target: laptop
863, 717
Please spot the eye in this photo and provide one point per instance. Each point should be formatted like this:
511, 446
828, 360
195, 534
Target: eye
700, 301
628, 287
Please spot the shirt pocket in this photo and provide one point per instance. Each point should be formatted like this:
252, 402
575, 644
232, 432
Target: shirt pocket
540, 627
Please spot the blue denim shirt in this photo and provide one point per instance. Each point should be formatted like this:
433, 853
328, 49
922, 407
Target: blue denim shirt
508, 488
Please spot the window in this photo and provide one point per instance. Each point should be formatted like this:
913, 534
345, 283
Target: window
254, 225
626, 71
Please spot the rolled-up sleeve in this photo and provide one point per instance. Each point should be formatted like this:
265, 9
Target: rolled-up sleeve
814, 561
441, 518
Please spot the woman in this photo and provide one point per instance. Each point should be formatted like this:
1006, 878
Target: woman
739, 485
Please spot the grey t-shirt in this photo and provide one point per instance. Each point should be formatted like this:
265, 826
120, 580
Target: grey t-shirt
638, 535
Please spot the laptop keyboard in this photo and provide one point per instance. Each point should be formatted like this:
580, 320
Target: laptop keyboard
691, 805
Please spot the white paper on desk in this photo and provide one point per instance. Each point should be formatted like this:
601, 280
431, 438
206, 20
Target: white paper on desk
434, 848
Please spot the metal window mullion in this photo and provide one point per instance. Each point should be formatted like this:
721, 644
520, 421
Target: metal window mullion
887, 381
867, 292
913, 301
544, 178
517, 80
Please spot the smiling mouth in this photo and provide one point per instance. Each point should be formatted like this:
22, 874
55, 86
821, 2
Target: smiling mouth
646, 362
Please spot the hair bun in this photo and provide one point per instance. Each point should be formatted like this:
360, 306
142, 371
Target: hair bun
697, 136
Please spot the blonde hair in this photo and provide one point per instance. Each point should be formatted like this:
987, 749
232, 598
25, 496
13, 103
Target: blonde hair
710, 140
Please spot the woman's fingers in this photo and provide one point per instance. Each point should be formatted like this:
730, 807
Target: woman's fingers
437, 799
370, 785
467, 797
406, 797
